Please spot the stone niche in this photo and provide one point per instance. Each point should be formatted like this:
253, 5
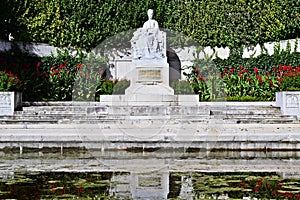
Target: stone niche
10, 102
289, 102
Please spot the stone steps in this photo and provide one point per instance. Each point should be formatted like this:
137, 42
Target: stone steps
93, 113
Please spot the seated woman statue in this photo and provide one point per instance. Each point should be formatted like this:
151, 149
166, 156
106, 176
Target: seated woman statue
146, 42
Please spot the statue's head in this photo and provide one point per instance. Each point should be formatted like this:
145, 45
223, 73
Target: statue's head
150, 13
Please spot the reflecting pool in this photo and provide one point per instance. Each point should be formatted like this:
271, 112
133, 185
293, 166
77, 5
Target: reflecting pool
76, 174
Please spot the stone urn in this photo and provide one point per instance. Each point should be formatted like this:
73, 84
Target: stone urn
10, 102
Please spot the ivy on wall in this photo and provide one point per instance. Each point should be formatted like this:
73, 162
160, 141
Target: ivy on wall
86, 23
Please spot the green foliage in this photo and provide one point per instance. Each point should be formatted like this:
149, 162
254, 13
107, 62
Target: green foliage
121, 86
204, 78
246, 98
211, 23
264, 62
291, 81
24, 67
10, 13
246, 79
182, 87
90, 75
60, 72
9, 82
108, 87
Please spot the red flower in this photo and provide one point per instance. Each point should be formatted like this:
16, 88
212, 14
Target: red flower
225, 69
280, 67
61, 66
275, 192
259, 182
255, 70
61, 192
79, 66
274, 69
271, 83
38, 64
79, 190
249, 79
241, 67
256, 189
246, 70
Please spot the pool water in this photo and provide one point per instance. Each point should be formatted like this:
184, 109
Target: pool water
120, 185
149, 175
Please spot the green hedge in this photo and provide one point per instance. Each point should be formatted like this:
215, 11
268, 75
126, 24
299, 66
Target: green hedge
212, 23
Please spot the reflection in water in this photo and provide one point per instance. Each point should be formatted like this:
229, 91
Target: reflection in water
121, 185
128, 175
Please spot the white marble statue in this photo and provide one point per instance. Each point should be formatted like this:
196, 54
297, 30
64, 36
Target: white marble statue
148, 42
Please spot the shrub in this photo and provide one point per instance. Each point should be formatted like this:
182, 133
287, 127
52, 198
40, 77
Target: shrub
23, 66
290, 80
90, 75
60, 72
108, 87
9, 82
181, 87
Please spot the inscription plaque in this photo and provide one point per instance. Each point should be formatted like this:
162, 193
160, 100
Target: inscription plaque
150, 74
149, 182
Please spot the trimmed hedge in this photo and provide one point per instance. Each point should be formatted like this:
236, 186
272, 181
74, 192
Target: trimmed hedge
86, 23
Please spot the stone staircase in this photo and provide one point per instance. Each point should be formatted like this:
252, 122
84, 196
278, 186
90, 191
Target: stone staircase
94, 112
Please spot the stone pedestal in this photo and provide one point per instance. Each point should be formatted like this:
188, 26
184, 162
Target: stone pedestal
149, 85
289, 102
9, 102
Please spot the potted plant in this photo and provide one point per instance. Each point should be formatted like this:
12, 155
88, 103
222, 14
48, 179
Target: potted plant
10, 95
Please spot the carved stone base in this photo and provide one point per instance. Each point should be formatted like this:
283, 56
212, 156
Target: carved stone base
149, 100
9, 102
289, 102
